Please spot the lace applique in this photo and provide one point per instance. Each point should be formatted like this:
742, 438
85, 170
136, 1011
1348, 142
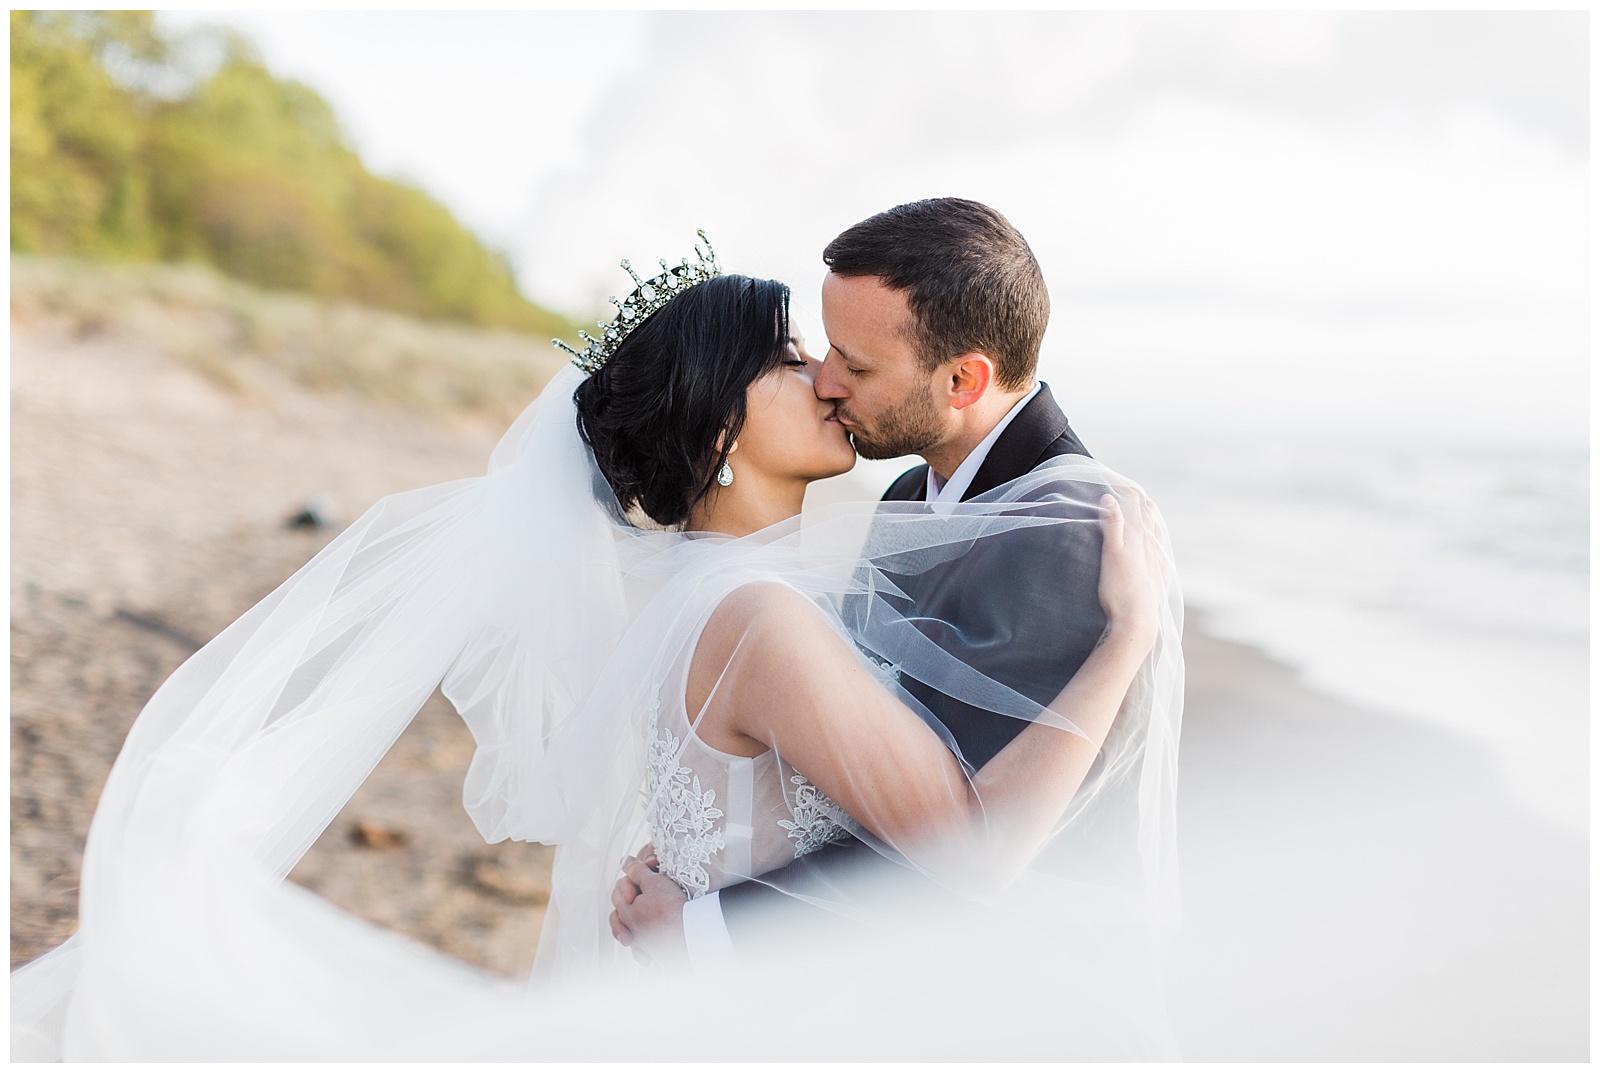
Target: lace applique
886, 672
814, 824
682, 816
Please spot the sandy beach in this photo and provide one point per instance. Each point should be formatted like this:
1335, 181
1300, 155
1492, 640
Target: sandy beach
1360, 887
1357, 886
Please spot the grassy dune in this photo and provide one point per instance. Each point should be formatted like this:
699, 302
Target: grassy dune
243, 338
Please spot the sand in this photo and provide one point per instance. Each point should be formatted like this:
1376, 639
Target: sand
1358, 886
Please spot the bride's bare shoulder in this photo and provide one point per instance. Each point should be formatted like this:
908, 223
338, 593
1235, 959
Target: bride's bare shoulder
760, 621
754, 599
751, 641
761, 606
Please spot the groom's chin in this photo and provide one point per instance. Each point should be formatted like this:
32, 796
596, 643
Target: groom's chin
870, 451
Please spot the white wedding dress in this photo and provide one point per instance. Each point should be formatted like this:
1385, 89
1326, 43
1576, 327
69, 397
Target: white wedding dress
717, 819
563, 637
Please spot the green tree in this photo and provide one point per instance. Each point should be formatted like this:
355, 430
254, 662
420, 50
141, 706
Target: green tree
76, 135
242, 170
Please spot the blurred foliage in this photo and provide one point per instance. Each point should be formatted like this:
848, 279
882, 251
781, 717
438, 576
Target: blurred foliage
118, 152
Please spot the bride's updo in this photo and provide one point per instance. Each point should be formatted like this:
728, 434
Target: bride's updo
661, 415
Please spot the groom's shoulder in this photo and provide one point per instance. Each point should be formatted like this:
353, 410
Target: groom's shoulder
910, 485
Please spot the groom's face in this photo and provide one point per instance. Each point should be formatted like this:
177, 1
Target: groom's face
883, 394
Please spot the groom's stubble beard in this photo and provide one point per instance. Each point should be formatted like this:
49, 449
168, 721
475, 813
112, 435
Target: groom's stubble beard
907, 429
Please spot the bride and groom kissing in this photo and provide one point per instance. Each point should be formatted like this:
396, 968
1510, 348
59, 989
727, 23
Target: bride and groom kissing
934, 314
966, 695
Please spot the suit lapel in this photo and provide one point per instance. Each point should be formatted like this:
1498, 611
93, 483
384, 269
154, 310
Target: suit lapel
909, 486
1023, 443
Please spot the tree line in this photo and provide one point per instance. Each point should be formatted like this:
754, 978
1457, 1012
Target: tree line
121, 150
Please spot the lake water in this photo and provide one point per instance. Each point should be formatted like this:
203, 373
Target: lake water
1436, 580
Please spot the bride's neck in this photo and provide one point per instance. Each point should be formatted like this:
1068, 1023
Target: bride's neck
747, 505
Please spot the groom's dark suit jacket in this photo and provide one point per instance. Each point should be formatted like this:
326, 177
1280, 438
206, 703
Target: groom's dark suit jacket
982, 596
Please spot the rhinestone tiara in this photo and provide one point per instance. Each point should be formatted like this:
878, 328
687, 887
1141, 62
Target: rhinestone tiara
648, 296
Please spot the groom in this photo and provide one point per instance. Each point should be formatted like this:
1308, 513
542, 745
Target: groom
934, 313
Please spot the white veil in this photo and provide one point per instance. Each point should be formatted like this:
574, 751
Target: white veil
505, 589
552, 625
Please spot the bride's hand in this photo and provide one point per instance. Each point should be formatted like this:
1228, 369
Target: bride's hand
1132, 575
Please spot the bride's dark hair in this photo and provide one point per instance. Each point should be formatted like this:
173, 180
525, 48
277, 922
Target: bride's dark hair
661, 414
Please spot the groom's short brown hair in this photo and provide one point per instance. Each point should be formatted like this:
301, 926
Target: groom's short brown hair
969, 277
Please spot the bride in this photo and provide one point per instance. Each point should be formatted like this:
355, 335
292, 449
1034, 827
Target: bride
650, 644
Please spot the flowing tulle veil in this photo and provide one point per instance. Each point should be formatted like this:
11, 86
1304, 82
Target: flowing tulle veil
504, 588
551, 624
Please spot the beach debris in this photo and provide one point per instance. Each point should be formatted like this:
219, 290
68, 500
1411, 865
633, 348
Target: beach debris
310, 516
159, 628
519, 887
375, 835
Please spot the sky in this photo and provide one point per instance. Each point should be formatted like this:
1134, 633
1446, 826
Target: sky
1357, 221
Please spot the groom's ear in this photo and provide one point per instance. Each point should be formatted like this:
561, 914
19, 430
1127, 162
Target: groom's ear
969, 377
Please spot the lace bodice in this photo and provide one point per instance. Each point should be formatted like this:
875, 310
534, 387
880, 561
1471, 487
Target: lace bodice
717, 819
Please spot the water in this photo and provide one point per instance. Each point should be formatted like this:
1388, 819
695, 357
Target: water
1441, 581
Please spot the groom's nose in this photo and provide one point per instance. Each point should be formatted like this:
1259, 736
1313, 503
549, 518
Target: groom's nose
829, 384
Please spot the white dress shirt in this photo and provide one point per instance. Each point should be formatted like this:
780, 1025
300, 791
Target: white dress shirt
705, 932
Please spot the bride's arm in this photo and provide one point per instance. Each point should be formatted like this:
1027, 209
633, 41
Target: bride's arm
770, 672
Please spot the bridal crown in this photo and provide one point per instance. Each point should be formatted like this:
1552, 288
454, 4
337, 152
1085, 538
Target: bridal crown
648, 296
